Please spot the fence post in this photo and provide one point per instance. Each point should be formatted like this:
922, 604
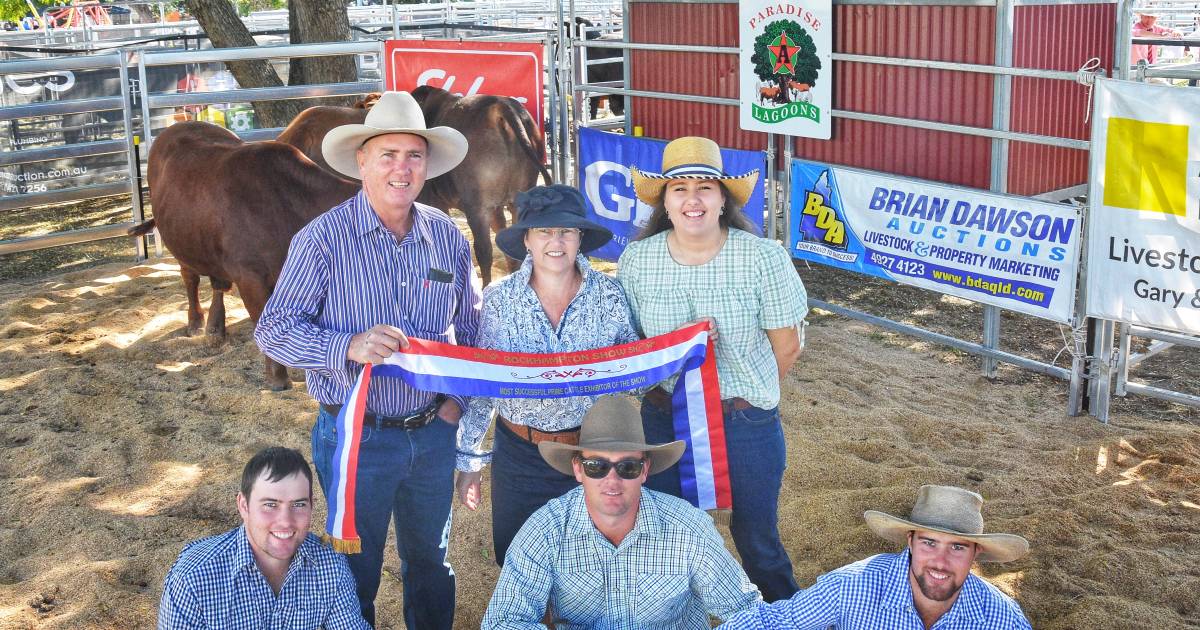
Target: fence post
769, 189
135, 166
1001, 112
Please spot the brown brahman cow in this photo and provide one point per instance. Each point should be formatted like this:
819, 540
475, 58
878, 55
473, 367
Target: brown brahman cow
227, 209
505, 156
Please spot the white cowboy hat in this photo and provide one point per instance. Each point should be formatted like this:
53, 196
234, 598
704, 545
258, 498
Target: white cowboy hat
953, 511
692, 157
611, 425
395, 112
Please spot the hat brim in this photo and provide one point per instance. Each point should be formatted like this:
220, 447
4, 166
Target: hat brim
511, 240
447, 147
649, 186
559, 455
992, 547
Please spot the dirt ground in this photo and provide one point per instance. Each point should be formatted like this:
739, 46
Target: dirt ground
121, 439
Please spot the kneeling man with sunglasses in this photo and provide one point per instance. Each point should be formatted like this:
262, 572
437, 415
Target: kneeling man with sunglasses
611, 553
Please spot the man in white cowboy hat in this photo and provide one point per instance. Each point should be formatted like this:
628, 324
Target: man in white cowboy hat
610, 553
359, 280
927, 585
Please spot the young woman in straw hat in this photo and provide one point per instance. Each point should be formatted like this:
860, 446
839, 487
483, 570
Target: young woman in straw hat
697, 259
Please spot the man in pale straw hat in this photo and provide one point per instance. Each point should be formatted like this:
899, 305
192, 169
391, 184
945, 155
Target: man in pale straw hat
610, 553
927, 585
359, 280
698, 258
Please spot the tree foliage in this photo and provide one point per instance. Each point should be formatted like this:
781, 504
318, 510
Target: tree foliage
805, 61
15, 10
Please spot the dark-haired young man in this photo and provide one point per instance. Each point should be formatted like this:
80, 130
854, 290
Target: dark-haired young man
270, 572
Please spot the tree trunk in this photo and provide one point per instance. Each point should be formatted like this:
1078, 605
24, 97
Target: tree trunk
226, 30
313, 21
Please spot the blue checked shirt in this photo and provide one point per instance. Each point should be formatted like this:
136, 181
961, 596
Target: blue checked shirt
670, 572
345, 273
514, 320
875, 593
215, 583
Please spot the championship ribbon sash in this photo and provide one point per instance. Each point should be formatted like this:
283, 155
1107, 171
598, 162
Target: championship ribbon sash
439, 367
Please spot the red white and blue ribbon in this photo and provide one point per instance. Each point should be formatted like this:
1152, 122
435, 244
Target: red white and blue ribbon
465, 371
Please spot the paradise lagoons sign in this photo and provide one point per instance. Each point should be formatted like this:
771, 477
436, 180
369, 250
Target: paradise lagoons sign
786, 67
1011, 252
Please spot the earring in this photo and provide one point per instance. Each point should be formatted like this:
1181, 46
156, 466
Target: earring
722, 209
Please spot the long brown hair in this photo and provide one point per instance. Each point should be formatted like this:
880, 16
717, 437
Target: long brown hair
731, 218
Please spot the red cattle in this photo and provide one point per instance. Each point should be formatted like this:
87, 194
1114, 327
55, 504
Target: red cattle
798, 86
227, 209
505, 156
768, 94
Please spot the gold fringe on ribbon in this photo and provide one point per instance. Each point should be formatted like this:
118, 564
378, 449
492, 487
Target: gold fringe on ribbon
721, 516
342, 546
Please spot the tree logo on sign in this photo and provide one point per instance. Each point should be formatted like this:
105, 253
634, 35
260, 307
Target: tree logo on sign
785, 59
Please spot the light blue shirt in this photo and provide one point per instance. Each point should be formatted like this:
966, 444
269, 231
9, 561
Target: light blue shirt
513, 320
875, 593
216, 583
670, 572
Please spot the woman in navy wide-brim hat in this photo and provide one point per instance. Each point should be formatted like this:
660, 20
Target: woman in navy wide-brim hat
554, 303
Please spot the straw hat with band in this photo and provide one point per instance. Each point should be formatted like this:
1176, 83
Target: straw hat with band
953, 511
692, 157
611, 425
555, 206
395, 112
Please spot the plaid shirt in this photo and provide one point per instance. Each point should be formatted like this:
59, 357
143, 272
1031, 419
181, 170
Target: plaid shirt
749, 287
875, 593
670, 571
215, 583
345, 273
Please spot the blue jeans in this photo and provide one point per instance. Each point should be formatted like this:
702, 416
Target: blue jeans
757, 459
408, 477
522, 482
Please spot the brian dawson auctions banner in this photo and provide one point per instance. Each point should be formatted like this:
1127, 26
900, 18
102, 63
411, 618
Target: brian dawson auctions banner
1144, 222
1010, 252
606, 181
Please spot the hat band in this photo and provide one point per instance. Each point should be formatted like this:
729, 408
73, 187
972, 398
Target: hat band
692, 170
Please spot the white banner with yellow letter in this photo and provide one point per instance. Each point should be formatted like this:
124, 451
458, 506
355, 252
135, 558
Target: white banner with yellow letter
1144, 222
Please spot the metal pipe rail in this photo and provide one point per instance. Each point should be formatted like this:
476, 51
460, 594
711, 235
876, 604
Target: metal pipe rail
841, 113
73, 237
965, 346
264, 94
53, 108
83, 149
168, 58
54, 64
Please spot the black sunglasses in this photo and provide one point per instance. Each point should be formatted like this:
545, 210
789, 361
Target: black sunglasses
598, 468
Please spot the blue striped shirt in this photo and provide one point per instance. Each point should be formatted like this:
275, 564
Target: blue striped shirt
875, 593
215, 583
669, 573
344, 273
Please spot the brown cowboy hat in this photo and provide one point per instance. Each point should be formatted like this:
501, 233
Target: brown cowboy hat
612, 425
953, 511
692, 157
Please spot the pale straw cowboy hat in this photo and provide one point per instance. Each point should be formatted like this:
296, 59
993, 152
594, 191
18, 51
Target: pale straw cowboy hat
395, 112
611, 425
692, 157
953, 511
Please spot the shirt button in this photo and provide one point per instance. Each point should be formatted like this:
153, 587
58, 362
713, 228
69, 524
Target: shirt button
403, 284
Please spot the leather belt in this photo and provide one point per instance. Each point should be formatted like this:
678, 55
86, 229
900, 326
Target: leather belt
533, 436
661, 399
409, 422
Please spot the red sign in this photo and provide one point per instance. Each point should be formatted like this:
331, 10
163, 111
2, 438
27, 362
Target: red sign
468, 68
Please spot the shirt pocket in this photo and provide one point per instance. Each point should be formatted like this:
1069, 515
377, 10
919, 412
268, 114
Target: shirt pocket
431, 306
579, 599
662, 598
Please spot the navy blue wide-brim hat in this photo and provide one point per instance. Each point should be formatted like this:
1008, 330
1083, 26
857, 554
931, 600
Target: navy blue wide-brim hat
554, 206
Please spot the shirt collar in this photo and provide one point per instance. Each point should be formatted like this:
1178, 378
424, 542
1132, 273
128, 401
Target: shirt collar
366, 221
243, 554
648, 523
899, 593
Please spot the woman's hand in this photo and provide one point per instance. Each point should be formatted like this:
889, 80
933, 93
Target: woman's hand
470, 487
712, 329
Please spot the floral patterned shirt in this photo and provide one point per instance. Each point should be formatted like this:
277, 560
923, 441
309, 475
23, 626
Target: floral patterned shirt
513, 320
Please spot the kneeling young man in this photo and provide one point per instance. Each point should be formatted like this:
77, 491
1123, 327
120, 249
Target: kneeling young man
610, 553
270, 572
928, 585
